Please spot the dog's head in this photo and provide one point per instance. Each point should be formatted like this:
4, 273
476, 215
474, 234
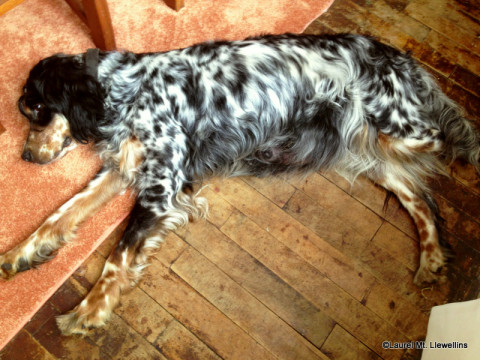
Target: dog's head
64, 103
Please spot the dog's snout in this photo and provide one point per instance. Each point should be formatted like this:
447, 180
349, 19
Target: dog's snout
27, 156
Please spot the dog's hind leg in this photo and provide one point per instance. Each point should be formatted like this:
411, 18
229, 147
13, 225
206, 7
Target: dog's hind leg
60, 227
146, 230
422, 209
406, 166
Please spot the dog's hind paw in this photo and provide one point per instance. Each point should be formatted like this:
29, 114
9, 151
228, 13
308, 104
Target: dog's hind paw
425, 276
432, 267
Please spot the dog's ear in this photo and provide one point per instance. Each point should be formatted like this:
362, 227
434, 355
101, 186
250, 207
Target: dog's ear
68, 88
84, 108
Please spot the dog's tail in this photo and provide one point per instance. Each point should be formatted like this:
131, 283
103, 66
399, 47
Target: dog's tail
460, 136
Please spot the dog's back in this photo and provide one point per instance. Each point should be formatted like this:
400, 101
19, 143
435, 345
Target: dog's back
319, 101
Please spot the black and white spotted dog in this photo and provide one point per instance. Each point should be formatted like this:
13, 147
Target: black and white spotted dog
162, 122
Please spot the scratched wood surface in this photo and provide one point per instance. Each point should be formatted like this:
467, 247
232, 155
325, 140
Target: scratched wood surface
298, 269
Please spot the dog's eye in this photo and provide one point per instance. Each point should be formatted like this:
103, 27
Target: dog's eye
67, 141
37, 107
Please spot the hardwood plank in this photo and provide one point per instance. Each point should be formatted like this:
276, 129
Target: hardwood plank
199, 316
319, 290
143, 314
390, 13
177, 343
398, 5
47, 311
429, 56
67, 347
276, 190
218, 210
119, 341
398, 245
457, 193
262, 283
170, 249
116, 340
373, 197
297, 237
341, 345
465, 259
363, 190
468, 8
25, 347
332, 199
68, 296
371, 24
338, 232
471, 104
446, 20
242, 308
459, 223
463, 15
402, 314
343, 17
318, 28
89, 272
398, 216
466, 79
385, 266
391, 272
454, 52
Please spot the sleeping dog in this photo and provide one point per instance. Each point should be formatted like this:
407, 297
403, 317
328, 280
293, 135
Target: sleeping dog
289, 104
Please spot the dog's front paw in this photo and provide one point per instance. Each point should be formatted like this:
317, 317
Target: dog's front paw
83, 318
11, 264
6, 268
76, 322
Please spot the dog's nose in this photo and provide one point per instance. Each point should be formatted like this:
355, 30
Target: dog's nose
27, 156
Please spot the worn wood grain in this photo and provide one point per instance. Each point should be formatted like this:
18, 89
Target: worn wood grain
342, 345
243, 308
261, 282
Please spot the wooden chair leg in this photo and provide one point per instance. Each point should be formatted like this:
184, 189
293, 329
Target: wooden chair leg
100, 24
174, 4
95, 14
6, 5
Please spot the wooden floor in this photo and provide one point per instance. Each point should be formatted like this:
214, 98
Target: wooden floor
302, 269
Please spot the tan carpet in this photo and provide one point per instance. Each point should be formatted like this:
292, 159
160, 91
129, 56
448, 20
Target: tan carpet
29, 192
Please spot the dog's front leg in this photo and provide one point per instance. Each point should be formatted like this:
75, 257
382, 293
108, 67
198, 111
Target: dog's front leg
60, 227
156, 212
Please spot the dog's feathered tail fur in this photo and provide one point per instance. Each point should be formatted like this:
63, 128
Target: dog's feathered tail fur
461, 140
